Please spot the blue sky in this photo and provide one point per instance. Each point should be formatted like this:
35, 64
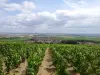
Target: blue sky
50, 16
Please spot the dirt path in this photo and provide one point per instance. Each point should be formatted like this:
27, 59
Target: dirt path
47, 67
21, 70
4, 68
71, 70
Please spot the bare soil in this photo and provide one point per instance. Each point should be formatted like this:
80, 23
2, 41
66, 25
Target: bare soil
47, 67
4, 68
21, 70
71, 70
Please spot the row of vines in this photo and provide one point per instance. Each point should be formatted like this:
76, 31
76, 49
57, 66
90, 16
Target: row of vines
14, 54
85, 59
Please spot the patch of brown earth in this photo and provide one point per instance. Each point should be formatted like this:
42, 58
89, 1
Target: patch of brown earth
47, 67
71, 70
4, 68
21, 70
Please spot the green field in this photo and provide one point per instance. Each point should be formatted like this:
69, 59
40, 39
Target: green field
14, 39
79, 38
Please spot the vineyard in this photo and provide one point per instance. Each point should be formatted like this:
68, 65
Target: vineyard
55, 59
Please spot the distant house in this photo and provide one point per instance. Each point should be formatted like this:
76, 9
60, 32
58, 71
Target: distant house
54, 40
45, 40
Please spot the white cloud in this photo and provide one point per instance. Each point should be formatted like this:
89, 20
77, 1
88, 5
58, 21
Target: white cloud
12, 7
75, 4
26, 6
47, 14
72, 20
3, 1
75, 20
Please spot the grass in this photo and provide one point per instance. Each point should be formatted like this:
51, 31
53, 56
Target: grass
14, 39
79, 38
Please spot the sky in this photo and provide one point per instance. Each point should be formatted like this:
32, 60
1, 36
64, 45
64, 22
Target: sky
50, 16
